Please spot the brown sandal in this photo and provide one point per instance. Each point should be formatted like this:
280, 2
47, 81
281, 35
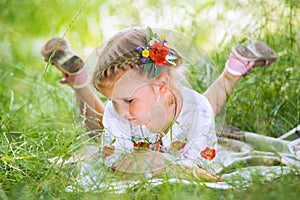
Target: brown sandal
58, 52
257, 50
242, 58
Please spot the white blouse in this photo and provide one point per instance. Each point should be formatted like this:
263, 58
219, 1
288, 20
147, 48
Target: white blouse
191, 141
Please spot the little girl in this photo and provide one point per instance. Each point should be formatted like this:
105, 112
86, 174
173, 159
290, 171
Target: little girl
152, 123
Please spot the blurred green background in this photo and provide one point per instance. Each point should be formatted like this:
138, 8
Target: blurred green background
37, 113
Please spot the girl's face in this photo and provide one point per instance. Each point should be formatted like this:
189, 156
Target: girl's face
139, 100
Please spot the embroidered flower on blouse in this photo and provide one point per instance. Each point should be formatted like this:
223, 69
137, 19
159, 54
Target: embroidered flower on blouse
108, 150
141, 145
178, 145
208, 153
108, 139
182, 137
136, 138
205, 164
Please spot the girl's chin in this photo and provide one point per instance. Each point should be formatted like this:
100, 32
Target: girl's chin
137, 122
154, 128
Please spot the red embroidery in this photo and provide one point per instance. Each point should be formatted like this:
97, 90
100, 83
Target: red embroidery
208, 153
177, 145
141, 145
108, 150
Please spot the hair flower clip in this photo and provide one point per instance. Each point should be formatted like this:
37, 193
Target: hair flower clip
156, 54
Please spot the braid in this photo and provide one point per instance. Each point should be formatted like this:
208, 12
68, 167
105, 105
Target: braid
120, 54
127, 61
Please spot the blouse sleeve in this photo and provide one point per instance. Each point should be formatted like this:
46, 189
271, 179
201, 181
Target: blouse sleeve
116, 138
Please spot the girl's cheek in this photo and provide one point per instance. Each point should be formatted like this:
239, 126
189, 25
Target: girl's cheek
136, 109
132, 109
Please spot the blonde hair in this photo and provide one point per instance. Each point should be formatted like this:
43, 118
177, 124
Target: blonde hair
120, 54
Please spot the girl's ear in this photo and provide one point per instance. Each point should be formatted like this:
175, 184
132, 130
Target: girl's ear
163, 82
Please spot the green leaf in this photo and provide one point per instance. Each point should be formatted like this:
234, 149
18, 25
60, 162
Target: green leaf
152, 73
149, 34
148, 67
157, 71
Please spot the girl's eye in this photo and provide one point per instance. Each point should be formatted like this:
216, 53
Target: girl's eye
128, 100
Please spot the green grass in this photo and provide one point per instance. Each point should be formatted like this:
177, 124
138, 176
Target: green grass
38, 116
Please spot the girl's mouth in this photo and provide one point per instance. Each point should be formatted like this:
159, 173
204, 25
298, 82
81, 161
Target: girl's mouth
131, 119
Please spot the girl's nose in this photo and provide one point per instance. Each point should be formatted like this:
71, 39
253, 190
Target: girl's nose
123, 110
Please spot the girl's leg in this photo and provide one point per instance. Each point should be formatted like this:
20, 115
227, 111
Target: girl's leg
240, 62
91, 109
220, 90
265, 143
57, 51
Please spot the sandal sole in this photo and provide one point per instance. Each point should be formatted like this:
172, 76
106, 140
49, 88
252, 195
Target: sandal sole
254, 52
57, 50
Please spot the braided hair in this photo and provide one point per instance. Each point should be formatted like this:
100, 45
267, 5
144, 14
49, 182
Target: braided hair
120, 54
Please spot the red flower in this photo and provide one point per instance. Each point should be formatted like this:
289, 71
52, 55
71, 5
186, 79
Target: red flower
158, 53
141, 145
208, 153
108, 150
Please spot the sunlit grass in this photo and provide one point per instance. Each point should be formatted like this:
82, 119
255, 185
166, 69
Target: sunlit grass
39, 118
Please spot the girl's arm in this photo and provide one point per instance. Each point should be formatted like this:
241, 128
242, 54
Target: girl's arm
154, 163
57, 51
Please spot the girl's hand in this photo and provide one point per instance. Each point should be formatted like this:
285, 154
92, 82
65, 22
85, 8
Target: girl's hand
201, 174
143, 162
153, 162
